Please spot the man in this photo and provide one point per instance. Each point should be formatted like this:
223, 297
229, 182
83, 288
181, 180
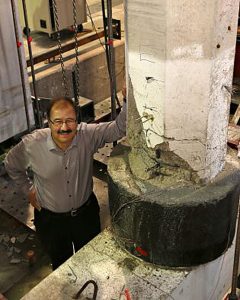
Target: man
60, 157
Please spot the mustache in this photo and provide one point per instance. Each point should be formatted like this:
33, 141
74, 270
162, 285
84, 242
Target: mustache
64, 131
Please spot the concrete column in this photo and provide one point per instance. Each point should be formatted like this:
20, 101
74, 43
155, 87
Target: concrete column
180, 64
173, 196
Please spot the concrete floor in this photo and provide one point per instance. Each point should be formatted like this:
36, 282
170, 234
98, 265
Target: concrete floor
17, 273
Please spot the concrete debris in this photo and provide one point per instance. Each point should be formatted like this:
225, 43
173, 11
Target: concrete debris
9, 243
31, 237
6, 238
233, 137
13, 250
22, 237
13, 239
15, 261
17, 250
2, 169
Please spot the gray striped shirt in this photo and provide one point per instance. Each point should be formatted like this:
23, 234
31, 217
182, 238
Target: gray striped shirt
62, 179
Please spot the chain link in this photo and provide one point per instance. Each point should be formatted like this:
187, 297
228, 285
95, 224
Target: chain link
76, 46
64, 79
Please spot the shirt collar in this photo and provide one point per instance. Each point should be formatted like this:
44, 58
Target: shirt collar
50, 143
52, 146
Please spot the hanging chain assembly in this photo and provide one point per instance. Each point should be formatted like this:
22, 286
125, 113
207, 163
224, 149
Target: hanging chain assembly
64, 79
76, 69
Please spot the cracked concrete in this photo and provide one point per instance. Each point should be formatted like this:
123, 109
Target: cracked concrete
180, 69
113, 270
117, 274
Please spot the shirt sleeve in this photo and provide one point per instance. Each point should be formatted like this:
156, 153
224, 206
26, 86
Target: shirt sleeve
108, 132
16, 164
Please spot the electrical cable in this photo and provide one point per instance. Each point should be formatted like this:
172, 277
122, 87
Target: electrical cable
94, 26
105, 36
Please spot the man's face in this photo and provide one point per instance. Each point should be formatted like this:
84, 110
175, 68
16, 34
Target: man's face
63, 124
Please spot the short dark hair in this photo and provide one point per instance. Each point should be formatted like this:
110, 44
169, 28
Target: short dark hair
60, 99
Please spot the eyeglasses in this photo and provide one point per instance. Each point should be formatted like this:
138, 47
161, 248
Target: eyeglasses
59, 123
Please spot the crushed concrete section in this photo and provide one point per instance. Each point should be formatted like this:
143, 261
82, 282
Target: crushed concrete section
160, 166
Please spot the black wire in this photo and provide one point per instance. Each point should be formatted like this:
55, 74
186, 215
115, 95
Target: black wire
107, 47
106, 37
94, 27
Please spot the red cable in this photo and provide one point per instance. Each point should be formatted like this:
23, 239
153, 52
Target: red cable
141, 251
110, 42
127, 294
29, 39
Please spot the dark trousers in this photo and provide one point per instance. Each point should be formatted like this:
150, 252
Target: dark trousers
59, 232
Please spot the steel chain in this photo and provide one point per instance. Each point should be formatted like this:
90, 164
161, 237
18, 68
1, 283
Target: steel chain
76, 46
64, 79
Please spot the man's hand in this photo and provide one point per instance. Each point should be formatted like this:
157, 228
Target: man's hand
2, 297
33, 200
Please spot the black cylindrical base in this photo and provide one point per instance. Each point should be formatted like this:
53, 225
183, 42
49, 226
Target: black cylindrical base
177, 226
